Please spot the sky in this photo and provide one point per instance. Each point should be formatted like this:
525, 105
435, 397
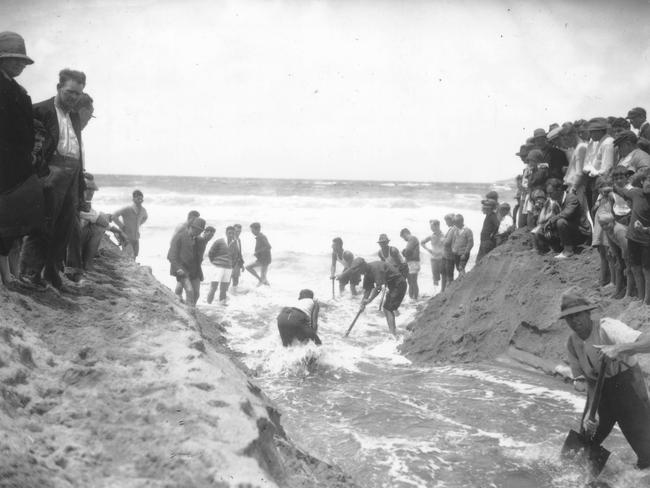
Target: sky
340, 89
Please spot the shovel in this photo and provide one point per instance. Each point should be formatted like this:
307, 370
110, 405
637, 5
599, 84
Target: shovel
578, 445
354, 321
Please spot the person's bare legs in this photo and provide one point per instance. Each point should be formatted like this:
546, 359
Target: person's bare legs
264, 269
646, 279
252, 271
179, 290
639, 281
223, 289
213, 289
390, 320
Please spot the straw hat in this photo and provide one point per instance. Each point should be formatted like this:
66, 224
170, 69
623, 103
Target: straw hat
383, 238
573, 303
12, 45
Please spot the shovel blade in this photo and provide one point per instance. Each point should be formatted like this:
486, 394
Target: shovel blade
579, 448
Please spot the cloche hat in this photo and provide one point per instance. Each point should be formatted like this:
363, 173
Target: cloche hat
12, 45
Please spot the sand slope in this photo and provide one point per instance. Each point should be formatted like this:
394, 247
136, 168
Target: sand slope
509, 304
113, 384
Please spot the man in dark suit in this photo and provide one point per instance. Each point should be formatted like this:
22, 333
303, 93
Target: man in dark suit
21, 202
63, 186
571, 223
637, 117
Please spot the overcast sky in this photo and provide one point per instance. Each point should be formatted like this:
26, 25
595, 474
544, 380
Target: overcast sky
392, 90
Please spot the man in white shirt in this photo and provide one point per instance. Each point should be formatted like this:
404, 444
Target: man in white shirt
63, 186
600, 156
624, 397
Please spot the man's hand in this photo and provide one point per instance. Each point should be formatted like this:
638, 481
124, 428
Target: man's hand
332, 277
590, 426
180, 273
364, 302
612, 352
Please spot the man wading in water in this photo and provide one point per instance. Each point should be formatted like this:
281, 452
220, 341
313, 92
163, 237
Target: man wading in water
624, 397
376, 275
300, 321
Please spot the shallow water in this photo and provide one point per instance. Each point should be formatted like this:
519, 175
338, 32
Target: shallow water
357, 402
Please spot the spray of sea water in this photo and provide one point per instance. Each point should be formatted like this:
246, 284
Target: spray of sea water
357, 402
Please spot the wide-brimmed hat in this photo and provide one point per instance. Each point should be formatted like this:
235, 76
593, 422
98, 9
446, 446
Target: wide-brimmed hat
572, 303
626, 135
12, 45
635, 112
598, 123
488, 202
539, 133
382, 238
554, 134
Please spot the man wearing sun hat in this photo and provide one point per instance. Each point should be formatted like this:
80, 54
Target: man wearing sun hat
21, 197
624, 397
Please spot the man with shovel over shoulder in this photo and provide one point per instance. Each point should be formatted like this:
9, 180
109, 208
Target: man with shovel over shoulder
623, 397
375, 275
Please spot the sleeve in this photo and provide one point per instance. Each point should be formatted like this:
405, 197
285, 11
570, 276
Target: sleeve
574, 364
90, 216
212, 253
368, 281
617, 332
174, 253
581, 155
470, 241
144, 217
607, 161
117, 214
570, 207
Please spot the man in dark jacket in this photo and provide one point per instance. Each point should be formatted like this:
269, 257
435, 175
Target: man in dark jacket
64, 186
185, 256
489, 229
21, 203
571, 223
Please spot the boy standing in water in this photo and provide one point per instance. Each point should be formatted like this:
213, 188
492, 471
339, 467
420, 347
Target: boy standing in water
237, 257
463, 244
129, 219
436, 250
300, 321
185, 256
344, 258
412, 254
262, 255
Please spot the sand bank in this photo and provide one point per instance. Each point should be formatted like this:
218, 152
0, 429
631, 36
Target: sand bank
508, 306
113, 384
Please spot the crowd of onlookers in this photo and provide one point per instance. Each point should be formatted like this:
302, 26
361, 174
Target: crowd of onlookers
48, 228
585, 183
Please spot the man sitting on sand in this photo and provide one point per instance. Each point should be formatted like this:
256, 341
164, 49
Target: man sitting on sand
262, 255
571, 223
221, 258
185, 260
129, 219
624, 397
375, 275
300, 320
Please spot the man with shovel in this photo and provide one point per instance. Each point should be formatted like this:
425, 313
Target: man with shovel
624, 397
375, 275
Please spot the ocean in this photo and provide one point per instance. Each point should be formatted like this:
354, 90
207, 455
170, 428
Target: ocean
357, 402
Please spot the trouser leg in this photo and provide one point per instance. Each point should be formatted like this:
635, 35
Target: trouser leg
74, 260
633, 413
639, 281
223, 289
213, 289
91, 238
